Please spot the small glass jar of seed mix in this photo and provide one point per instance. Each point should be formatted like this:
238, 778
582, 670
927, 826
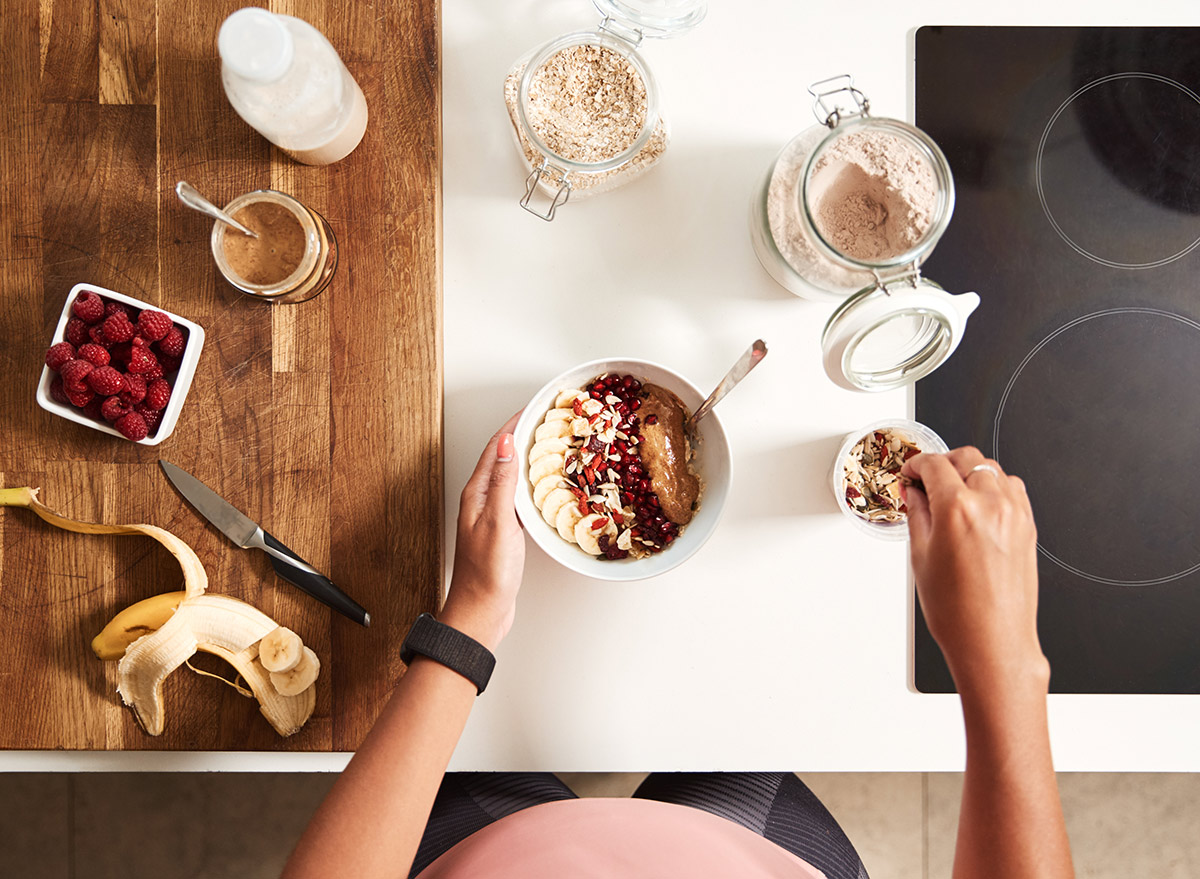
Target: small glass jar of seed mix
584, 107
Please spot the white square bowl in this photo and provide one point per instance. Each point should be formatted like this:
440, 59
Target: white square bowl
179, 388
713, 464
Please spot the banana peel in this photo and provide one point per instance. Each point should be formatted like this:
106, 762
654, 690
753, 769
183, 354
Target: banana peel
155, 636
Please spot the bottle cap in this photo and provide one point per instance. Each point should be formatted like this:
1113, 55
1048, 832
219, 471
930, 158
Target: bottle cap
256, 44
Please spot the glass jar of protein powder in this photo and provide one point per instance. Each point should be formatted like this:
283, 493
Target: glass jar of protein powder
847, 213
584, 107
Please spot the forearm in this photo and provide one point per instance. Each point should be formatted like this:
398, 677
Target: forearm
1011, 821
371, 822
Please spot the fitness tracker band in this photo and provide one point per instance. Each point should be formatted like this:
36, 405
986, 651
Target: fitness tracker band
450, 647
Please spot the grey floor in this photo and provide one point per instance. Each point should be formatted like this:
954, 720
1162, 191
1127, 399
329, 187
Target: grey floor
172, 826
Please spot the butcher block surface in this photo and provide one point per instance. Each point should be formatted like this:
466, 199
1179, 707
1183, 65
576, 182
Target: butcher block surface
322, 421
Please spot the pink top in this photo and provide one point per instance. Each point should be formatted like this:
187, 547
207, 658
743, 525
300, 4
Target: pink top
605, 837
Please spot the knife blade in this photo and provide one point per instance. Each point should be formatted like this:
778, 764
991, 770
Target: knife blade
248, 534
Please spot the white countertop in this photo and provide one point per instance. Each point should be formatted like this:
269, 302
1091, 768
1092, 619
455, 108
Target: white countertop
785, 641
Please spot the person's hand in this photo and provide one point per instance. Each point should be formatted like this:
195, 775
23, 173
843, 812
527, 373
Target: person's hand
974, 558
489, 556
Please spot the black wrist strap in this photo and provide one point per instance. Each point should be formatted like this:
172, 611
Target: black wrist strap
451, 648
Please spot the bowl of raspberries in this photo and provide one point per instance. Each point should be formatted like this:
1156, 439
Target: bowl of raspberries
119, 365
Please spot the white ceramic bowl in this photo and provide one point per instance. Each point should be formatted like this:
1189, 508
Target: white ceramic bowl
179, 385
712, 463
924, 438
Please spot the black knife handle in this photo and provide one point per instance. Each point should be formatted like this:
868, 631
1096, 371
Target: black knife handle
317, 585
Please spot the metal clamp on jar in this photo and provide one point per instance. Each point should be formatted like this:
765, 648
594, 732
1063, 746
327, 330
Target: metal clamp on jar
584, 107
848, 212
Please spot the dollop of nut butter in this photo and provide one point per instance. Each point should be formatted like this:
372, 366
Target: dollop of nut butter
666, 455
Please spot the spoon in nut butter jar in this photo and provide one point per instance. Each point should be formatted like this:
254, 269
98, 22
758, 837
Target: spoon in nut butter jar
191, 197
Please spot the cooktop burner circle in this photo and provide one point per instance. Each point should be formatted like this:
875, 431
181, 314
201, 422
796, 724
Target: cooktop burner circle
1101, 425
1116, 170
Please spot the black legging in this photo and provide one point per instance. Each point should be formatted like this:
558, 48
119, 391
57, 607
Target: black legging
776, 805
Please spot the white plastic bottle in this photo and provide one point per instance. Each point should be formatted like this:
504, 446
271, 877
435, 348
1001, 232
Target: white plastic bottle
286, 80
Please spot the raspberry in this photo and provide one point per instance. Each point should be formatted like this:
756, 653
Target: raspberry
172, 343
88, 307
169, 363
112, 409
156, 371
158, 394
75, 373
152, 417
58, 393
93, 408
94, 354
79, 397
154, 324
112, 307
141, 359
132, 426
106, 381
117, 328
96, 334
135, 390
76, 332
59, 354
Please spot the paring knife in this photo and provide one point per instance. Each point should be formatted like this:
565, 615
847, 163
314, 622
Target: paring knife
250, 535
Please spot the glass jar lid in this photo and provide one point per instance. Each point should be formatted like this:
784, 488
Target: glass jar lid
654, 18
889, 336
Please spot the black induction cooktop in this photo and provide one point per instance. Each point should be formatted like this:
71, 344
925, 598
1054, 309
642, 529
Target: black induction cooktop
1076, 158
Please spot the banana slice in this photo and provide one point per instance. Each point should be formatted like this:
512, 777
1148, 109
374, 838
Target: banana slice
587, 535
559, 415
553, 446
553, 502
544, 487
547, 465
566, 398
280, 650
568, 516
553, 429
300, 678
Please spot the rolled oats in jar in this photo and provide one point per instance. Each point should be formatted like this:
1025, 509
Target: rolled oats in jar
584, 107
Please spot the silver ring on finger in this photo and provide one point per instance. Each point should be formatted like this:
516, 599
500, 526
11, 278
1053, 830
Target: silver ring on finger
985, 468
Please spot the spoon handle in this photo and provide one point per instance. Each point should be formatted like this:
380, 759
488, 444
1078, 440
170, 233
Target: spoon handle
194, 200
753, 356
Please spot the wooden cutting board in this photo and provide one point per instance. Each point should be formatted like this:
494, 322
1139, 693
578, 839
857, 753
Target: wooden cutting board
322, 420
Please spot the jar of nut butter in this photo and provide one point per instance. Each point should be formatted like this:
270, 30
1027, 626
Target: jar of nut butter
292, 259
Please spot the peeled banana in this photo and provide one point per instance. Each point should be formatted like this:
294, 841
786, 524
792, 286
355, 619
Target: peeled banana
155, 636
217, 624
133, 622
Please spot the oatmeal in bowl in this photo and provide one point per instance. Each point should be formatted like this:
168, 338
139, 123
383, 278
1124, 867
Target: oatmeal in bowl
613, 487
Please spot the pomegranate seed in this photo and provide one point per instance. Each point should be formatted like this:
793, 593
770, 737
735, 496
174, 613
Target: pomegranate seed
652, 419
635, 404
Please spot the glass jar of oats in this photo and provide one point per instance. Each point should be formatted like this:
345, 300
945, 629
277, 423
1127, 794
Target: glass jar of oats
584, 107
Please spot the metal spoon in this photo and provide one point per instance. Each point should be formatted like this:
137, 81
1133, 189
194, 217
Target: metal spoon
753, 356
194, 200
